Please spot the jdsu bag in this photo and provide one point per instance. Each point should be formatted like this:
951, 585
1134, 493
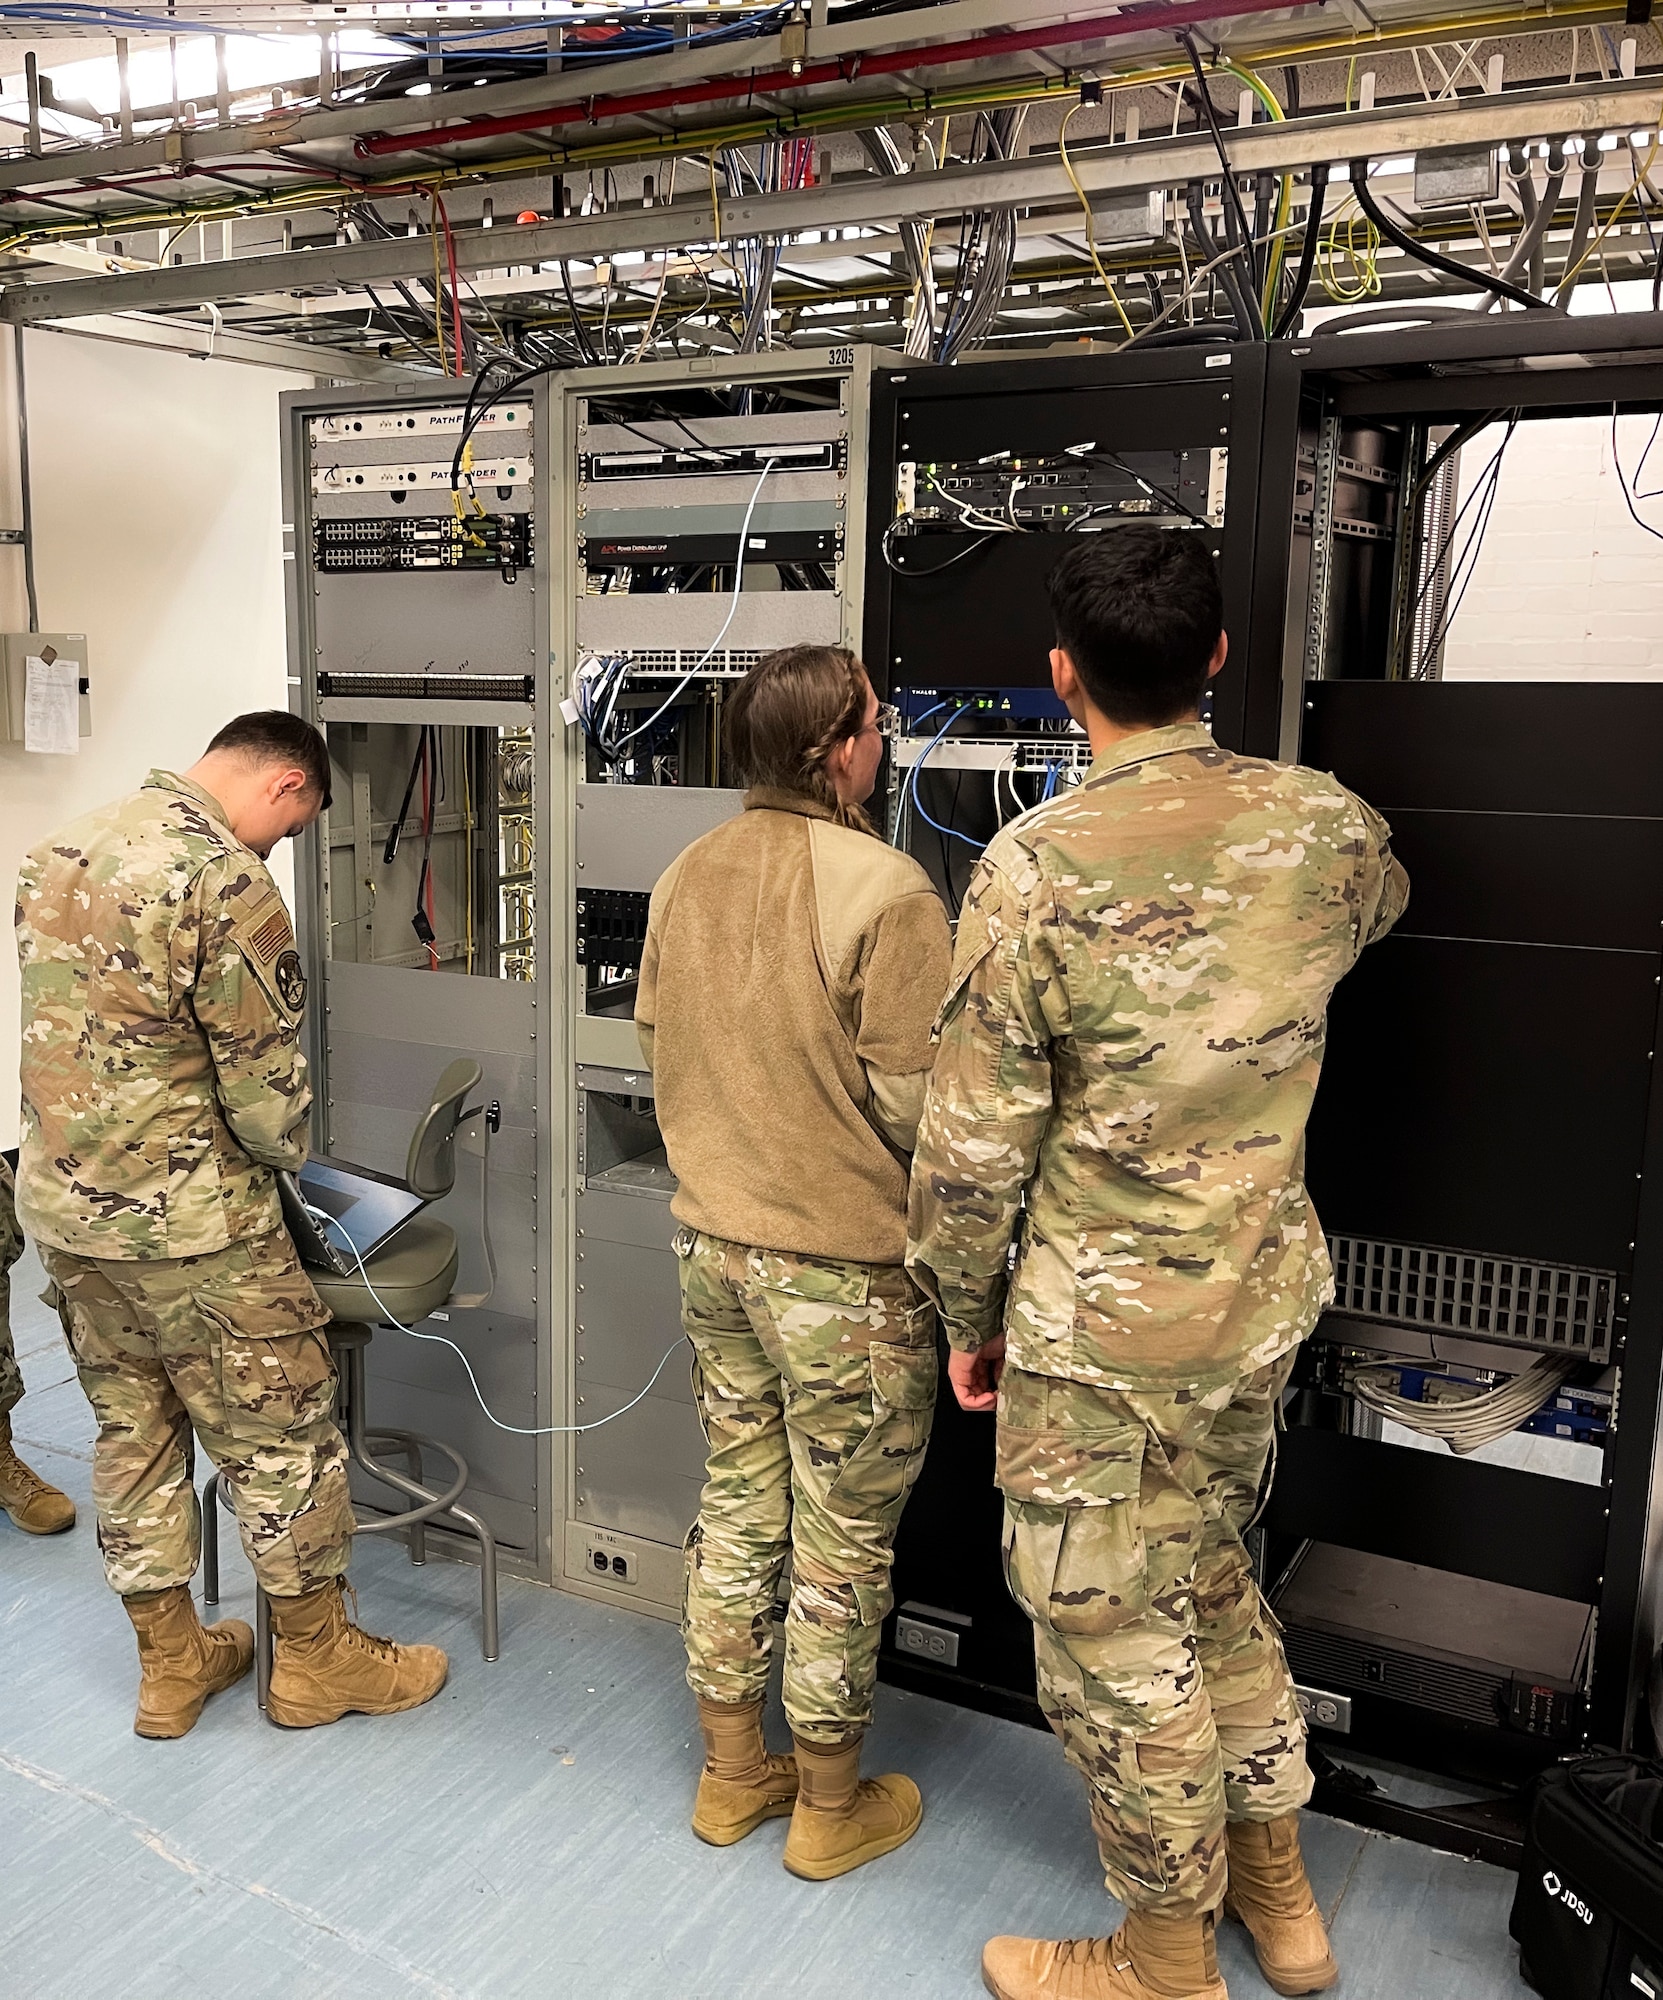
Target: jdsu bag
1588, 1912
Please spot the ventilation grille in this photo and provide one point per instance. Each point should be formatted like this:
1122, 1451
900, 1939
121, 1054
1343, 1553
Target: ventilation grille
429, 687
1324, 1659
1549, 1306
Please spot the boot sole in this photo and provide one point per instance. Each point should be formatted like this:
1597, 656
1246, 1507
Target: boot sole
295, 1716
23, 1527
167, 1729
1289, 1984
729, 1836
874, 1850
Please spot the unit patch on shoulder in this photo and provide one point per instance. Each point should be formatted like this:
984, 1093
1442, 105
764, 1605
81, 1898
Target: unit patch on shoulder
270, 939
290, 981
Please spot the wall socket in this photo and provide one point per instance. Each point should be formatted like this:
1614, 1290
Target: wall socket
608, 1561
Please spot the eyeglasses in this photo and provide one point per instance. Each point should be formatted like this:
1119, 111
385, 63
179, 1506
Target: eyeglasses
885, 722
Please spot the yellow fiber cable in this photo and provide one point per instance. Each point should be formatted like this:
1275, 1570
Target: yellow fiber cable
1623, 200
1091, 232
1284, 199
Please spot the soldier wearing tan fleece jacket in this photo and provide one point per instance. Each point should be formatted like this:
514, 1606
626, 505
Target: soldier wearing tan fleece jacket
792, 971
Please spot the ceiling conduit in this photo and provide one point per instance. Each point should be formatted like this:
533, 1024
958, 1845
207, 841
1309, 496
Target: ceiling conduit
886, 62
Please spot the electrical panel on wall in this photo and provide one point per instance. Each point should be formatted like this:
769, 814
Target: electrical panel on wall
711, 512
418, 633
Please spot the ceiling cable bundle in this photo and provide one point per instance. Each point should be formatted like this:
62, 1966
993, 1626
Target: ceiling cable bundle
1466, 1422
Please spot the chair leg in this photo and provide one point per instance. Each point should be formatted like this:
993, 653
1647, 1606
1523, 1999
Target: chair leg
487, 1574
262, 1647
210, 1540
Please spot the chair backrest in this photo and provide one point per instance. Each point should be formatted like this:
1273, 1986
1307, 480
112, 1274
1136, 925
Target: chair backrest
430, 1170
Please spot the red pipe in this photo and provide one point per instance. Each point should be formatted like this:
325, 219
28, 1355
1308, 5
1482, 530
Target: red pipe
979, 48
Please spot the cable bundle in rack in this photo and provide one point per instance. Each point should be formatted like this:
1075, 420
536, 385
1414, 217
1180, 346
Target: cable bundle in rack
1466, 1422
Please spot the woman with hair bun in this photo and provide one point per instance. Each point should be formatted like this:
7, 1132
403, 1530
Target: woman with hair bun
792, 971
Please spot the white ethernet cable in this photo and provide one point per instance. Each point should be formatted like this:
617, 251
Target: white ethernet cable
319, 1215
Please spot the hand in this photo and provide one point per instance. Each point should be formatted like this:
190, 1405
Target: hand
975, 1377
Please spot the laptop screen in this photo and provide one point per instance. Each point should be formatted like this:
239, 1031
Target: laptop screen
366, 1209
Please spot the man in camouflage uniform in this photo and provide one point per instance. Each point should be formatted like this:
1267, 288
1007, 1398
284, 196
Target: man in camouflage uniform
1127, 1057
35, 1507
163, 1085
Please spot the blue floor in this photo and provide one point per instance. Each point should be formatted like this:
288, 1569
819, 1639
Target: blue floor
526, 1833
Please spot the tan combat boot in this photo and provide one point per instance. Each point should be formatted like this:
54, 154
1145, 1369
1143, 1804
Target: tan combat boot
35, 1507
842, 1819
323, 1667
741, 1784
181, 1661
1155, 1955
1270, 1893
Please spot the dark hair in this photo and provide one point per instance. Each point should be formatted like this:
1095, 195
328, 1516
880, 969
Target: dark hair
1139, 612
789, 714
274, 736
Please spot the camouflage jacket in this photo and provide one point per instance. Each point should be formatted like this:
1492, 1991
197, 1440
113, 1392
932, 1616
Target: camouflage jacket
162, 1000
1127, 1056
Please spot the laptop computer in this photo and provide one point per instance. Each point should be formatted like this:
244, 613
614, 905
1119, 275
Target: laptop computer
366, 1210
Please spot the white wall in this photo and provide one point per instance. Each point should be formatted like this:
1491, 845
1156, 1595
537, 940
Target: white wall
1566, 585
157, 533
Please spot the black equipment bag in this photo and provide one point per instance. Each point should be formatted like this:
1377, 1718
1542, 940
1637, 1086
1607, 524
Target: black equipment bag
1588, 1912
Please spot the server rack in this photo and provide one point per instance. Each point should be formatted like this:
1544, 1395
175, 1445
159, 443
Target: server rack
1486, 1150
418, 642
957, 620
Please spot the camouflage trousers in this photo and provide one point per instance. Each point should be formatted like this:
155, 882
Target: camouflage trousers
227, 1343
11, 1380
815, 1382
1160, 1667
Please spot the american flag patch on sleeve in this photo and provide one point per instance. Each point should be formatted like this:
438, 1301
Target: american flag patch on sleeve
271, 938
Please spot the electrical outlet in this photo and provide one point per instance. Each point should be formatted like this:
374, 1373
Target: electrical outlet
607, 1562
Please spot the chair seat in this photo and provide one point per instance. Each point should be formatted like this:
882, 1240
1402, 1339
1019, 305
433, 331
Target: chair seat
413, 1277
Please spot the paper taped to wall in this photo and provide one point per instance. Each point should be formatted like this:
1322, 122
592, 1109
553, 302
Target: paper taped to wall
51, 705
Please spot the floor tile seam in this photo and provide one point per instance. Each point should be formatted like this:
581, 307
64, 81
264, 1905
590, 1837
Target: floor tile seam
158, 1844
1363, 1846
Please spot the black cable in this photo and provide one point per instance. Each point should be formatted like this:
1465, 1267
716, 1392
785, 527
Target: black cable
1232, 193
1307, 253
1628, 498
1639, 471
1249, 327
580, 333
1467, 274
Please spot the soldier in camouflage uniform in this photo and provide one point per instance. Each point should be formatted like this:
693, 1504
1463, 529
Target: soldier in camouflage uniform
814, 1353
1126, 1061
163, 1085
35, 1507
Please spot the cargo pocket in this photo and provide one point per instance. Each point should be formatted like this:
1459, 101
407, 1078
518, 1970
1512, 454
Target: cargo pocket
1074, 1550
273, 1378
875, 1479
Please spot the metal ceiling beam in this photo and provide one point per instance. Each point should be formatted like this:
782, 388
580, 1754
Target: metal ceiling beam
256, 350
1033, 183
307, 128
